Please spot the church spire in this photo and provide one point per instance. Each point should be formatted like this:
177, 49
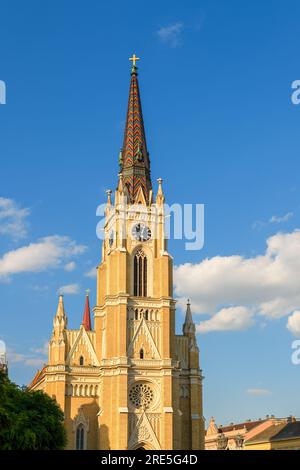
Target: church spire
87, 316
189, 325
134, 157
57, 347
60, 317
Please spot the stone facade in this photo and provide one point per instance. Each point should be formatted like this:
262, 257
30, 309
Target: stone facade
131, 382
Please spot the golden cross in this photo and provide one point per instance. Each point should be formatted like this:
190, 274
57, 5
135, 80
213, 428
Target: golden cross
134, 58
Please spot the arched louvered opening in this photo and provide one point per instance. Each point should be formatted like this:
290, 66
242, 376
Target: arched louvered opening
140, 274
81, 361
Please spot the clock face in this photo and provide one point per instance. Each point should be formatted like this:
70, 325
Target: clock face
111, 238
141, 232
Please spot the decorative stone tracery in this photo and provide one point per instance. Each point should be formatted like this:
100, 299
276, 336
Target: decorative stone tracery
141, 395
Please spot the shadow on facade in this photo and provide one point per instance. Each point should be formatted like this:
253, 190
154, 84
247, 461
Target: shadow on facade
86, 418
104, 437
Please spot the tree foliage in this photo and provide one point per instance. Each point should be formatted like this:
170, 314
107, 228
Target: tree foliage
29, 419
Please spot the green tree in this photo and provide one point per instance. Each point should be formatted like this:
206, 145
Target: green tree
28, 419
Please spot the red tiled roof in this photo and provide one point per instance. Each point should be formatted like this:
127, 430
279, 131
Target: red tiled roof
38, 376
87, 316
247, 425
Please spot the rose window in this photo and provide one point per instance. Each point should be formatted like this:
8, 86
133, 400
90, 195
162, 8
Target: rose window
141, 395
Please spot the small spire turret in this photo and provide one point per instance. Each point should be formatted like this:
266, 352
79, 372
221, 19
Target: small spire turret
189, 327
86, 322
160, 198
60, 317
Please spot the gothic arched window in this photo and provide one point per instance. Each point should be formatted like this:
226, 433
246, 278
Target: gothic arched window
81, 360
80, 437
140, 274
141, 354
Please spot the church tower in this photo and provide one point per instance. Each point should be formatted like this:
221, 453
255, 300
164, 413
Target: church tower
130, 382
157, 403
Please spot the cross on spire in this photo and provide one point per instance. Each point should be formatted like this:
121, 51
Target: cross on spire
134, 58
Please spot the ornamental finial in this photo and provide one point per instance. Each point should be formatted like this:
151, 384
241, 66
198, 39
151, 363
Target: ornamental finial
134, 59
108, 192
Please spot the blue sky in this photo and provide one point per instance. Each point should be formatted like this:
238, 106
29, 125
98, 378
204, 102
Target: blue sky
216, 90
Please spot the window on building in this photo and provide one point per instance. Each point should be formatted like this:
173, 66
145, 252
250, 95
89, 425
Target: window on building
140, 274
80, 437
141, 354
81, 361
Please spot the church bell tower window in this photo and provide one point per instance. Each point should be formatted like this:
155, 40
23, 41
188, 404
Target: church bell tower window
140, 274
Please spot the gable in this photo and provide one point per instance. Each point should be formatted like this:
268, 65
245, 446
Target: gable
82, 347
143, 340
143, 434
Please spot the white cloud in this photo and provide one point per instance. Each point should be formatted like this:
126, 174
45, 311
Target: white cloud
171, 34
267, 284
43, 350
47, 253
13, 221
293, 323
228, 319
275, 219
34, 362
70, 266
32, 359
258, 392
91, 273
14, 357
69, 289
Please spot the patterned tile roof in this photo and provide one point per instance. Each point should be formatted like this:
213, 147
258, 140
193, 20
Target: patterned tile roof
134, 157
